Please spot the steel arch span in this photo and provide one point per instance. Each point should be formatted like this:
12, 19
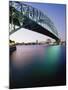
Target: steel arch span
25, 16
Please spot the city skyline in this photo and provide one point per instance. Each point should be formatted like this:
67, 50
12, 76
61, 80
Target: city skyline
54, 12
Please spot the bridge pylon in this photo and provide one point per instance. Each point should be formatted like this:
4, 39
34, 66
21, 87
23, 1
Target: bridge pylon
58, 41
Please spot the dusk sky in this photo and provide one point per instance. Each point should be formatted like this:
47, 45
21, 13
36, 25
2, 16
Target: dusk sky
56, 12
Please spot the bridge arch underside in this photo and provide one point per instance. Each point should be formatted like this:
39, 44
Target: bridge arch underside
33, 26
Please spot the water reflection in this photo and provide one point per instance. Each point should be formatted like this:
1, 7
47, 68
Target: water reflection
25, 54
38, 66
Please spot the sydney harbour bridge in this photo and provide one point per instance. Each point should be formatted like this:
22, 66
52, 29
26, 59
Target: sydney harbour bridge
25, 16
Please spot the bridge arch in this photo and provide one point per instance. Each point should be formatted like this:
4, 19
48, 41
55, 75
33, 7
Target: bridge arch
25, 16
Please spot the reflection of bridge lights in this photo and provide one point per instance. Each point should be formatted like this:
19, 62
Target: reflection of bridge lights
52, 57
53, 54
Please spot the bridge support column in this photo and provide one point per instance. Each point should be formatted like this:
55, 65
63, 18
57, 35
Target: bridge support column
57, 42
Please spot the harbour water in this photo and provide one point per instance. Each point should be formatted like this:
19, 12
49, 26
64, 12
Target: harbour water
38, 65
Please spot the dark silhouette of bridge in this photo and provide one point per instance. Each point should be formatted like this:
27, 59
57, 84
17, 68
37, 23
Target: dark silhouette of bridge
25, 16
